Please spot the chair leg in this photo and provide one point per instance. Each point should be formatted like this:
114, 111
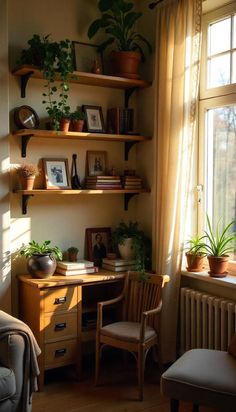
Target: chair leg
195, 408
141, 365
174, 405
97, 364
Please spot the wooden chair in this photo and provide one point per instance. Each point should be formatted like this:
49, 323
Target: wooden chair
137, 332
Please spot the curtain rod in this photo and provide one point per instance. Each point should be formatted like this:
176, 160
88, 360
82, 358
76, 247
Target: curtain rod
154, 4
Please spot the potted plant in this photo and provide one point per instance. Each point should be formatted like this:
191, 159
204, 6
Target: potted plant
27, 173
195, 254
72, 253
218, 246
132, 243
118, 20
41, 258
77, 119
55, 60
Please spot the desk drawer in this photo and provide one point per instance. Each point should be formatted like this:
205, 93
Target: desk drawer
61, 298
61, 353
63, 325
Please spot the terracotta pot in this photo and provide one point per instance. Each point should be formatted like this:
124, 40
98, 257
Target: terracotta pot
27, 183
41, 265
64, 125
218, 266
77, 125
125, 63
72, 256
194, 262
126, 249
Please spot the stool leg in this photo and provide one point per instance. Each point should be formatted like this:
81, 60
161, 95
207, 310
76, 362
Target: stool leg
195, 408
174, 405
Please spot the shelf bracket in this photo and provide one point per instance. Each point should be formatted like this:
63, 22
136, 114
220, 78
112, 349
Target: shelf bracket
25, 199
127, 198
128, 146
128, 93
24, 81
24, 143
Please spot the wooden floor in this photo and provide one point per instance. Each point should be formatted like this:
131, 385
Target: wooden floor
116, 393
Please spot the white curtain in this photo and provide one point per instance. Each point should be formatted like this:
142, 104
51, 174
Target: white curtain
176, 95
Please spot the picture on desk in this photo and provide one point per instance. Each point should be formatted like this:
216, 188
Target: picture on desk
98, 244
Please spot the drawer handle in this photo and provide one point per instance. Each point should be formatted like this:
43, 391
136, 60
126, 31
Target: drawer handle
60, 352
58, 301
60, 326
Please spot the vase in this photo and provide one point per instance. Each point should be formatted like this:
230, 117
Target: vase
126, 249
41, 265
27, 183
218, 266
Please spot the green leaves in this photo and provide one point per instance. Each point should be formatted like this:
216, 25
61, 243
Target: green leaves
222, 241
44, 248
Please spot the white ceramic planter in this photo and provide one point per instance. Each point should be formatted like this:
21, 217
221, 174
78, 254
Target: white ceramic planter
126, 250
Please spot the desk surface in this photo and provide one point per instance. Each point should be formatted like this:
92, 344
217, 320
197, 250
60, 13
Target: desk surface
60, 280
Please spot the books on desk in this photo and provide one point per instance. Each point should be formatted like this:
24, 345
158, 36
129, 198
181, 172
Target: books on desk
80, 267
118, 265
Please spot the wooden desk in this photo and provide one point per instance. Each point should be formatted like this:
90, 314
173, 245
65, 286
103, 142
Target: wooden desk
61, 311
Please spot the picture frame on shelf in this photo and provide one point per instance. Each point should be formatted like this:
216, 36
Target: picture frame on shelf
56, 173
87, 57
96, 163
98, 244
94, 119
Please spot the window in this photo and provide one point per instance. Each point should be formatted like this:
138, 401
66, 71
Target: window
217, 148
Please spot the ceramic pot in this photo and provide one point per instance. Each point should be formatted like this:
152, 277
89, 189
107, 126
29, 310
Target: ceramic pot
126, 249
27, 183
41, 265
64, 124
218, 266
125, 63
72, 256
77, 125
194, 262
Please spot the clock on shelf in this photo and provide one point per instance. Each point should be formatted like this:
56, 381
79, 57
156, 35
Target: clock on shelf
26, 118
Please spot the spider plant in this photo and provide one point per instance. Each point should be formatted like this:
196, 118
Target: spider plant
221, 242
196, 245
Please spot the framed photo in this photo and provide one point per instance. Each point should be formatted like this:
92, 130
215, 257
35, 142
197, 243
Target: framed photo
96, 163
87, 58
94, 119
98, 243
56, 173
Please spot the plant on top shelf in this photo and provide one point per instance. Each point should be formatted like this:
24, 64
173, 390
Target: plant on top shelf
218, 245
132, 243
195, 253
41, 258
55, 60
118, 21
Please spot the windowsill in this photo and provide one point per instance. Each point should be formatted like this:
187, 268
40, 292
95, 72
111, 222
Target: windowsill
229, 281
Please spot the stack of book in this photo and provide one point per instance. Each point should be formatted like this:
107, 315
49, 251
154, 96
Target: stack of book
80, 267
103, 182
132, 182
120, 120
118, 265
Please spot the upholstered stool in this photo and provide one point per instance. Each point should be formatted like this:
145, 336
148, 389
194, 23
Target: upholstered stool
203, 377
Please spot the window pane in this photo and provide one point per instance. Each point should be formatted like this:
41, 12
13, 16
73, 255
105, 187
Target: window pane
219, 71
219, 37
234, 32
221, 164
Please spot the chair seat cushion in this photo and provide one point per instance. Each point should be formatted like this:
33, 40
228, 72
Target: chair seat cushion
128, 331
7, 383
204, 377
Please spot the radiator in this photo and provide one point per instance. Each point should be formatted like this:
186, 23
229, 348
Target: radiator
206, 321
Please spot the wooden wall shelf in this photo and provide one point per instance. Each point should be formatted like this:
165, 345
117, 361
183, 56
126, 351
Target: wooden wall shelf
27, 134
27, 194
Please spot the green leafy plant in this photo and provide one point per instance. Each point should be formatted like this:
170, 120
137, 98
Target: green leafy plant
141, 243
196, 245
78, 115
73, 249
55, 60
27, 170
118, 20
222, 241
40, 249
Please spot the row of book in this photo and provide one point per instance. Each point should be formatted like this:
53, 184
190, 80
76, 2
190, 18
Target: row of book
118, 265
114, 182
80, 267
120, 120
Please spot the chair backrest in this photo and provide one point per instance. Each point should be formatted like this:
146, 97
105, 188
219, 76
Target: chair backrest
142, 295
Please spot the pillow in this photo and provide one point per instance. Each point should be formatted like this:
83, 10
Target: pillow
232, 346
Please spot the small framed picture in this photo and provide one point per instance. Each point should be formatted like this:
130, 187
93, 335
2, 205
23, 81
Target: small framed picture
56, 173
87, 58
94, 119
98, 243
96, 163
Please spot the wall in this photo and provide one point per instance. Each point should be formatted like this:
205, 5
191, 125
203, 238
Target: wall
63, 220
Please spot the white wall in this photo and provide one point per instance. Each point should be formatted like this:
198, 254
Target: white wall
63, 220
